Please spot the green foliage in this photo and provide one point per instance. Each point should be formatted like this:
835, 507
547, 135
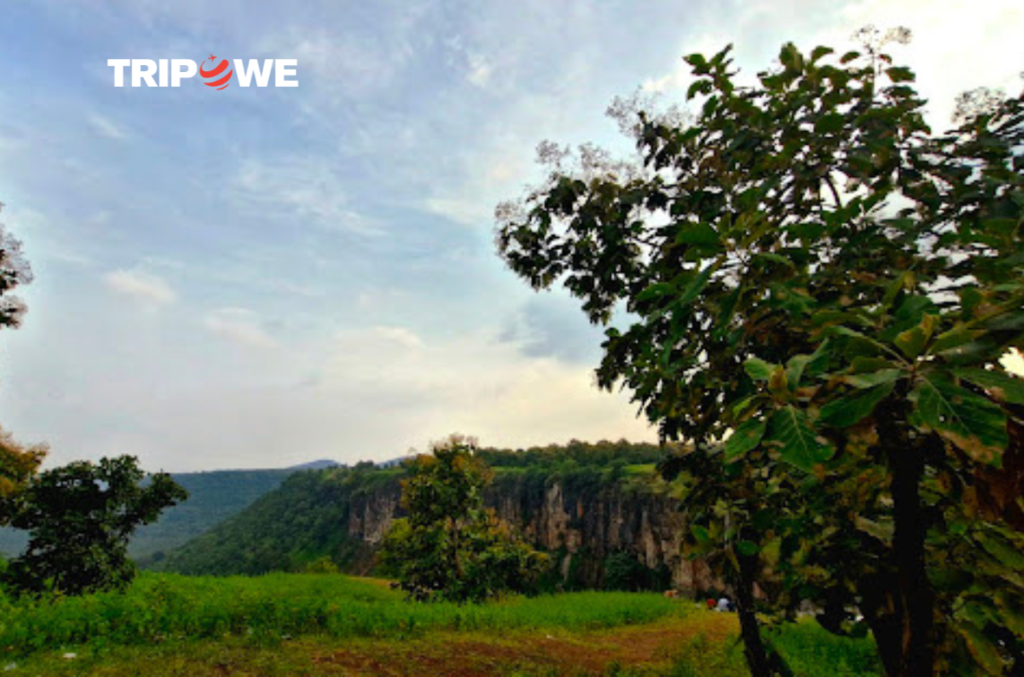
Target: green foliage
80, 517
212, 498
450, 547
816, 280
308, 516
18, 465
164, 607
809, 649
623, 570
304, 519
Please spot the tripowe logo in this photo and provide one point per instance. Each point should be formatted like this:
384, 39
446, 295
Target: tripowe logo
214, 72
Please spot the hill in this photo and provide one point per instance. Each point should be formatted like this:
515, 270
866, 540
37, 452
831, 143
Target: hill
599, 509
213, 497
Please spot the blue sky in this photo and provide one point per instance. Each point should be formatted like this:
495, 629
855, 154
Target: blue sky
260, 277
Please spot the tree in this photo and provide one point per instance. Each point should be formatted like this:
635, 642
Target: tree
14, 271
80, 518
820, 290
450, 547
18, 464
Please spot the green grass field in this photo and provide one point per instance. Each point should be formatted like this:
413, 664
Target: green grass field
331, 624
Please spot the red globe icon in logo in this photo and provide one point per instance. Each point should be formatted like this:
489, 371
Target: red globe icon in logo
218, 75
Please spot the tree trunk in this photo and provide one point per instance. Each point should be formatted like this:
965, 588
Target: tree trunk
917, 599
750, 630
883, 611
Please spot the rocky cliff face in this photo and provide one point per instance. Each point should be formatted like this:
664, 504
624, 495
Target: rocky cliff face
580, 528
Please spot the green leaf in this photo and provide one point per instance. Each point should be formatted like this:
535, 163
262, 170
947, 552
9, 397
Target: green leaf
981, 648
873, 379
955, 337
746, 436
1003, 551
698, 234
655, 290
789, 428
970, 421
700, 533
747, 548
697, 284
900, 74
862, 365
1001, 386
820, 51
883, 531
698, 87
797, 364
758, 369
848, 57
912, 341
829, 124
790, 57
819, 362
845, 411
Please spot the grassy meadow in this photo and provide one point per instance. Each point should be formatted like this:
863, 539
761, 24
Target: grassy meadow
331, 624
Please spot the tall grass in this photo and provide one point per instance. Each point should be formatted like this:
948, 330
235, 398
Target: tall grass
161, 607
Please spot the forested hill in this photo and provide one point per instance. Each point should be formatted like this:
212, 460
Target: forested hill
213, 497
581, 502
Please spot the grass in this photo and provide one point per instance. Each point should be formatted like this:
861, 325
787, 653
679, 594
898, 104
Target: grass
161, 607
332, 624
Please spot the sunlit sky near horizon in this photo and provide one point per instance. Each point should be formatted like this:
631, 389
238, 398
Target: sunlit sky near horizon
262, 277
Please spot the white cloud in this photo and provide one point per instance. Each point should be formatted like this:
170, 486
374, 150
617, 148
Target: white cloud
142, 286
241, 326
106, 127
480, 70
474, 384
309, 188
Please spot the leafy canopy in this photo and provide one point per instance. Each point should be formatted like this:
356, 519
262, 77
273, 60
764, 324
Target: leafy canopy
819, 289
18, 464
80, 517
450, 547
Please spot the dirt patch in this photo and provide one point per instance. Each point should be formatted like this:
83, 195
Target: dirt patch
536, 652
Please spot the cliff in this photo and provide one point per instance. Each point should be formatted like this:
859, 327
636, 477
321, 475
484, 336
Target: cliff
582, 516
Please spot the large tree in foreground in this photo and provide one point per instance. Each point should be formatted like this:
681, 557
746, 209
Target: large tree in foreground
450, 547
820, 290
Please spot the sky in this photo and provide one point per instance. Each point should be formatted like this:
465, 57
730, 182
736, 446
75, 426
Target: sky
259, 277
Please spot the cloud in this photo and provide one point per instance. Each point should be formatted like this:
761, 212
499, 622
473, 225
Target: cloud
105, 127
399, 335
310, 188
473, 383
142, 286
479, 70
552, 325
240, 326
